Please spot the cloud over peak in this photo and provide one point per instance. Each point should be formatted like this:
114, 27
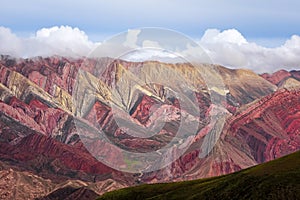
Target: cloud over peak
231, 49
228, 47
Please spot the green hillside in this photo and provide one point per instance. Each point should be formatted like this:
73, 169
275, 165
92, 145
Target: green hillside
278, 179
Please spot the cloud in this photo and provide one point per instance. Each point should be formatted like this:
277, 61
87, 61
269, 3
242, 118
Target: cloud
227, 36
151, 54
63, 40
231, 49
132, 38
9, 42
151, 44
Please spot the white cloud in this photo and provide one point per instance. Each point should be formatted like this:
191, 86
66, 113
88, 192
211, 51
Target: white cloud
151, 54
9, 42
151, 44
131, 38
228, 48
227, 36
63, 40
231, 49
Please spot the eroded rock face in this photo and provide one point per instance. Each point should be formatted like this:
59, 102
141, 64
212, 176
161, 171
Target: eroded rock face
22, 185
263, 131
270, 127
38, 132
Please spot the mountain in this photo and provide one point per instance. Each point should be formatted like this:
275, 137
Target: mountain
256, 133
277, 78
277, 179
45, 133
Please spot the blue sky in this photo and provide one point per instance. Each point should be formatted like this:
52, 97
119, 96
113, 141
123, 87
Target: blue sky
263, 35
272, 20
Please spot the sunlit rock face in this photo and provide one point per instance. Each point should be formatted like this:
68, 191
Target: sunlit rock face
39, 132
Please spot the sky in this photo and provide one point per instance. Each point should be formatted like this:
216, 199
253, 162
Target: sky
260, 35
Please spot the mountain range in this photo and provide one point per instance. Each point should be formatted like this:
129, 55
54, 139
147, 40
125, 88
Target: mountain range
43, 155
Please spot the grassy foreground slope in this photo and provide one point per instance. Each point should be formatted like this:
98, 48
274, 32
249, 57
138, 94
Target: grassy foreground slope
277, 179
